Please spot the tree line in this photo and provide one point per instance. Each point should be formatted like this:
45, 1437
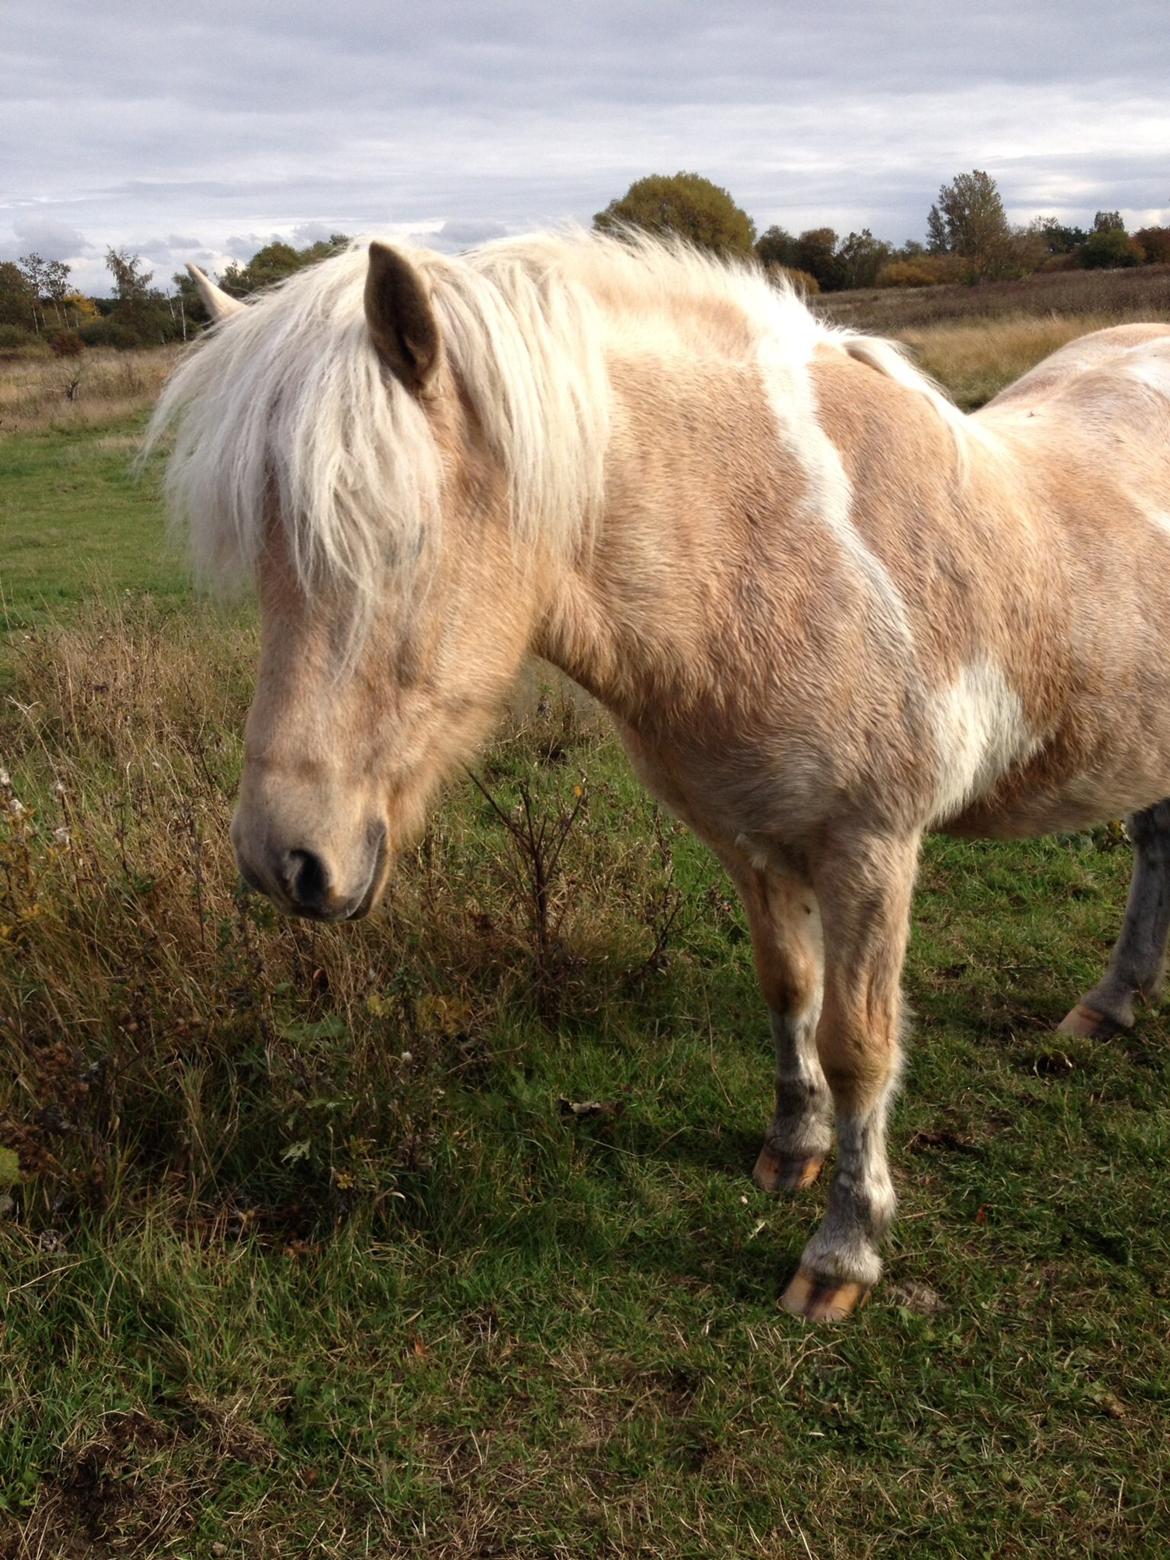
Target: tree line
37, 304
968, 238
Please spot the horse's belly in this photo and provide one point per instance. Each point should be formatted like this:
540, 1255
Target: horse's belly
1039, 802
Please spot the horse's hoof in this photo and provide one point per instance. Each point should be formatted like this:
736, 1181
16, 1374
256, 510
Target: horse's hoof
822, 1299
785, 1172
1089, 1024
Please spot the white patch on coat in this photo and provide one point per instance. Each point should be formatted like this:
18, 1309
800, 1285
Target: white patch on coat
1158, 517
981, 732
789, 388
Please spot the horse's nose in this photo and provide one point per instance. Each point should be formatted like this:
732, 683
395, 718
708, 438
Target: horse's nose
305, 880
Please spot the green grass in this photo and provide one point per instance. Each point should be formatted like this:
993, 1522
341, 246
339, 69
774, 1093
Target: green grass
307, 1257
75, 520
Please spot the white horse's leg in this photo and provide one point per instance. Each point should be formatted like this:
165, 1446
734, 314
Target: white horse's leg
1139, 957
864, 890
785, 925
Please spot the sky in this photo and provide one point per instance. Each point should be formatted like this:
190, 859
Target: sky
202, 131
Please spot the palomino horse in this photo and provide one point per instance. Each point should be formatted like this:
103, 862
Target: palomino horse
827, 611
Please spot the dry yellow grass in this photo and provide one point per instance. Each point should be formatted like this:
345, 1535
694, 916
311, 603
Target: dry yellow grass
972, 359
975, 359
98, 386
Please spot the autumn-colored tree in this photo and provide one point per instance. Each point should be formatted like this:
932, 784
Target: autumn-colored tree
684, 205
1155, 244
79, 309
917, 270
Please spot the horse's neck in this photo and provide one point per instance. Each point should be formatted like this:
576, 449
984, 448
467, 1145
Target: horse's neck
730, 523
634, 619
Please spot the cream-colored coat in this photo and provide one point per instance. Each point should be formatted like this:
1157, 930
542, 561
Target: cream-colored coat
827, 611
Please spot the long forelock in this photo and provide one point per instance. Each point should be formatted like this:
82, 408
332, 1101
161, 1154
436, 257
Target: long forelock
286, 410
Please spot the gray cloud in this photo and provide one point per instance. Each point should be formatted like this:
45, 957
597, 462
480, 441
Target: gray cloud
48, 237
454, 122
462, 234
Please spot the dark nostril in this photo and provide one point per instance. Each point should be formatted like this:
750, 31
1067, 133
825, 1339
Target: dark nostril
306, 879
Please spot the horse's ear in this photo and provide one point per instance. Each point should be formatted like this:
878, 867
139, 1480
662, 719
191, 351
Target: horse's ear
219, 305
402, 322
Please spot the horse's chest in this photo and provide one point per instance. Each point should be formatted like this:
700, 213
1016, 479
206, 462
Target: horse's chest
731, 789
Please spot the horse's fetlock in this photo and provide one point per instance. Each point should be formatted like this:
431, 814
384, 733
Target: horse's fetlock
842, 1254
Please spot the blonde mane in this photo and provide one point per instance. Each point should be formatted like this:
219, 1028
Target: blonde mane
288, 404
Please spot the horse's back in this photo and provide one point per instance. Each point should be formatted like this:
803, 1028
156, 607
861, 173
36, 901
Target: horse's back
1114, 368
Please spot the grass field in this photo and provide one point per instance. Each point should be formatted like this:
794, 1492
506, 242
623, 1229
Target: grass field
1142, 293
307, 1253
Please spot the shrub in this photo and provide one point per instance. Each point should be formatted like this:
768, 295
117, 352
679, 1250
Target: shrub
17, 342
15, 336
110, 332
66, 343
922, 271
803, 282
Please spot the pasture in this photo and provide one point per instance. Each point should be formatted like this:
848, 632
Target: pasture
433, 1235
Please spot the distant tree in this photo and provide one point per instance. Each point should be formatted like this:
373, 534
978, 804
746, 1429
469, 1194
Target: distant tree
325, 247
910, 250
18, 301
274, 262
816, 253
191, 303
33, 268
55, 284
271, 264
937, 238
968, 220
1109, 247
685, 205
1155, 244
131, 282
1060, 238
859, 258
1108, 222
139, 315
776, 247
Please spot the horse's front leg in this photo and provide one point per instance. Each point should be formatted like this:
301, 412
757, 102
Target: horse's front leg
864, 884
1139, 957
785, 927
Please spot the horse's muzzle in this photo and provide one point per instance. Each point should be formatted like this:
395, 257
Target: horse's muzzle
299, 881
